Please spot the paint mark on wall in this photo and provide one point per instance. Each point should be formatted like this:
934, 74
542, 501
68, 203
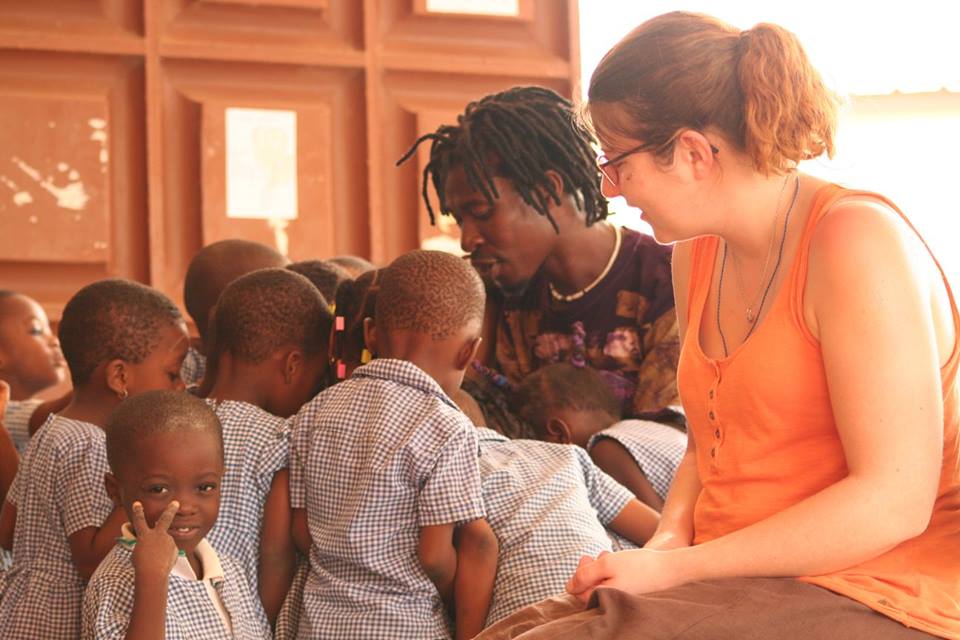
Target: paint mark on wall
21, 198
73, 195
280, 237
99, 135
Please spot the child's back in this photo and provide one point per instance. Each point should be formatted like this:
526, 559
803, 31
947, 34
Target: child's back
548, 505
383, 453
64, 464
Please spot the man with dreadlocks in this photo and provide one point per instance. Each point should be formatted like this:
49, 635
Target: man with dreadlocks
518, 172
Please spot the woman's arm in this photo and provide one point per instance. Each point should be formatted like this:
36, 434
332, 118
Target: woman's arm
884, 384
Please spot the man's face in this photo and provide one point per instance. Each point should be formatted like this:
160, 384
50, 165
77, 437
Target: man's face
508, 242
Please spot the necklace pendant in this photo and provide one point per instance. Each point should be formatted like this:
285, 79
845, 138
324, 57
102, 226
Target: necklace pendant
750, 315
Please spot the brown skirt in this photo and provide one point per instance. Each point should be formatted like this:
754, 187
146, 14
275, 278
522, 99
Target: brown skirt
741, 609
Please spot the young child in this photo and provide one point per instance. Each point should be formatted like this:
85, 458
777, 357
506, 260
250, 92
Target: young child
548, 505
9, 462
384, 469
269, 344
210, 271
356, 300
120, 339
325, 275
163, 579
568, 404
30, 361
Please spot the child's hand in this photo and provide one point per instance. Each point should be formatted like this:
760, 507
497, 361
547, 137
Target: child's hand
155, 552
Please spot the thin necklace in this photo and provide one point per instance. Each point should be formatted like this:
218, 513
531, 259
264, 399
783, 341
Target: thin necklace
576, 295
751, 303
776, 268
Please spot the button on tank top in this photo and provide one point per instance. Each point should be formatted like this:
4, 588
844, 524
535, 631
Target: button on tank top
766, 439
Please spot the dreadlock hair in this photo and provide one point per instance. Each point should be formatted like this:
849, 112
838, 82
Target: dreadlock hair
562, 386
324, 274
356, 300
267, 310
518, 134
112, 319
430, 292
152, 413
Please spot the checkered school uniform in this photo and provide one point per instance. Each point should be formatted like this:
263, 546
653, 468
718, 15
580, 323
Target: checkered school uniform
193, 367
547, 505
656, 448
16, 419
58, 491
256, 446
388, 453
191, 613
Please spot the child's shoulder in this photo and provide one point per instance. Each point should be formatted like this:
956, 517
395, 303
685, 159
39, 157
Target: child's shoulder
66, 434
115, 572
236, 413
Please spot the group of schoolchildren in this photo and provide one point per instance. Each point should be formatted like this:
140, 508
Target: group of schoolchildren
308, 468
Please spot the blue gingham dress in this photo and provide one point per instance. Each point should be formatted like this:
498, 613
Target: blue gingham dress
57, 492
656, 448
17, 421
193, 367
108, 603
256, 445
388, 453
547, 505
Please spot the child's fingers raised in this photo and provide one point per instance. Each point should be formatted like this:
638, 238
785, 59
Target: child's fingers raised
137, 520
163, 522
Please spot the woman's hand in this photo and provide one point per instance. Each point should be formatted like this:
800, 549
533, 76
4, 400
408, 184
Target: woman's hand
634, 571
155, 552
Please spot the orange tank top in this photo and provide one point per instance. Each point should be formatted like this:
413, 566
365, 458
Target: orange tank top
766, 439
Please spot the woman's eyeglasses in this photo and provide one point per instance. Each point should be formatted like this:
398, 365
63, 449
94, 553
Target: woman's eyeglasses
609, 167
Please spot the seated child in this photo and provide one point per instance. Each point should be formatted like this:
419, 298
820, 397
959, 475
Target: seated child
384, 470
548, 505
211, 270
567, 404
325, 275
120, 339
269, 344
30, 361
162, 579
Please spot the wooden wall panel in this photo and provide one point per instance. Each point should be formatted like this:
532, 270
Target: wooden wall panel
72, 170
137, 92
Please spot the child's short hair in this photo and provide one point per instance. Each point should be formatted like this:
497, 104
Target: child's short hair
354, 265
430, 292
217, 265
113, 318
155, 412
562, 386
356, 300
325, 275
267, 310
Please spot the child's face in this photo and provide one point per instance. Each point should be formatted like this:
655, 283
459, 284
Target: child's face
29, 352
183, 466
160, 370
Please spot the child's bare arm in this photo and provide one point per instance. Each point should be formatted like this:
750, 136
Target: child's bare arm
90, 545
613, 458
438, 557
301, 531
636, 522
277, 555
153, 558
9, 460
8, 522
477, 555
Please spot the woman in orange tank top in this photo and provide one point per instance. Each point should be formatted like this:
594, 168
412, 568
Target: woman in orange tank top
818, 368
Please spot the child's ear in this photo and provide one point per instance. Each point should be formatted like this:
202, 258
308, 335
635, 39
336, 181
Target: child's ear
370, 335
113, 489
292, 365
467, 353
558, 431
116, 376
